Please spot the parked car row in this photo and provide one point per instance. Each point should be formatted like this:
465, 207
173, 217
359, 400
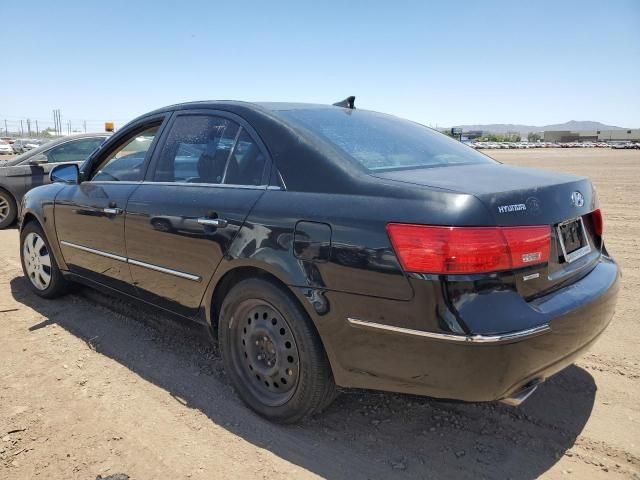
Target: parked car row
5, 148
20, 145
626, 145
506, 145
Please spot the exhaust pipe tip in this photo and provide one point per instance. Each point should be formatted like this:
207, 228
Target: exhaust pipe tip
521, 395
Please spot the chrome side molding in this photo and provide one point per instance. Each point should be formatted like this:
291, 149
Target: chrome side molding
131, 261
93, 250
451, 337
170, 271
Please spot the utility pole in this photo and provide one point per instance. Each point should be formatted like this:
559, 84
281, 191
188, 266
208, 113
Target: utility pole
21, 129
29, 127
37, 129
6, 130
69, 126
85, 126
56, 123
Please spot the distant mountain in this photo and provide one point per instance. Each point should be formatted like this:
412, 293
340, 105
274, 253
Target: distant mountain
525, 129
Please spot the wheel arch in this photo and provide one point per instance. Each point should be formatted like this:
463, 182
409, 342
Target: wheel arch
35, 211
29, 217
226, 278
307, 298
13, 197
6, 190
231, 277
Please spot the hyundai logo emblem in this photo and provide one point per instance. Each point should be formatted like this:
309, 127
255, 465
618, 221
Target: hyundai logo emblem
577, 199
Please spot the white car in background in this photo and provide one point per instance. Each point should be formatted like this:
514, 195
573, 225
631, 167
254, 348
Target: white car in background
5, 148
23, 145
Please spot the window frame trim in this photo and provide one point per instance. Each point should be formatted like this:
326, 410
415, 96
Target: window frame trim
116, 141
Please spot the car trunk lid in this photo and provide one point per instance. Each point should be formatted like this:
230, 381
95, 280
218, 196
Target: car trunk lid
517, 196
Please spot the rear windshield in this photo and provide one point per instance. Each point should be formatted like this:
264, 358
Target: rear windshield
382, 142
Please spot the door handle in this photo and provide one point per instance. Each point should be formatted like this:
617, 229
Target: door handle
112, 211
213, 222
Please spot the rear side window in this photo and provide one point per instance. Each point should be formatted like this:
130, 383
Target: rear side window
382, 142
209, 149
196, 150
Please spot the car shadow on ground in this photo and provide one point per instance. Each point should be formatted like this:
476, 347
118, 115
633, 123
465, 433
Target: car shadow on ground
362, 434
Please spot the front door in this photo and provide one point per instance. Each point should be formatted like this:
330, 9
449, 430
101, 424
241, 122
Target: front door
89, 217
203, 181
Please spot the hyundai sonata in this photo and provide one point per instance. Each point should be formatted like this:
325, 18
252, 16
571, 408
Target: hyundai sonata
324, 245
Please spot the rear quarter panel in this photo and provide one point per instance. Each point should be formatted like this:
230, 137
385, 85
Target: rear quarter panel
361, 259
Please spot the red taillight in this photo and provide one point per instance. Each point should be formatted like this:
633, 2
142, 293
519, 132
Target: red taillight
598, 222
444, 250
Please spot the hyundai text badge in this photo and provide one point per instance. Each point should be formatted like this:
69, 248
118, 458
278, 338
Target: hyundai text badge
577, 199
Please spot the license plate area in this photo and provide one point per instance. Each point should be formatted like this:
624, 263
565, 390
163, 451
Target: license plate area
573, 239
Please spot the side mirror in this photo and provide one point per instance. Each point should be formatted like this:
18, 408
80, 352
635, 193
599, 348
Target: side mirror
67, 173
38, 159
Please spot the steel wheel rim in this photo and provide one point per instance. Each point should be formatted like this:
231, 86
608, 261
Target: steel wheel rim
265, 352
37, 261
4, 208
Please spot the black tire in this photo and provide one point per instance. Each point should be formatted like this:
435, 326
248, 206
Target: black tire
8, 209
56, 285
272, 352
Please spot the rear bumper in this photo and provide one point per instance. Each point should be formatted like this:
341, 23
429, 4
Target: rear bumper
372, 354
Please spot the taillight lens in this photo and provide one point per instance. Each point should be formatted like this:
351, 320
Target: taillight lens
598, 222
450, 250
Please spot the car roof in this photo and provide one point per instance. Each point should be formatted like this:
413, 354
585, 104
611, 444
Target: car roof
272, 106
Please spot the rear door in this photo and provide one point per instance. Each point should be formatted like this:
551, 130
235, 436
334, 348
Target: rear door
89, 217
207, 173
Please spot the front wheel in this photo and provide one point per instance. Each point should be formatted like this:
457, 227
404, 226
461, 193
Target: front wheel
39, 264
272, 352
8, 209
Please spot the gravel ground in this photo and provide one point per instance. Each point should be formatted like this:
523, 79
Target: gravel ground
90, 386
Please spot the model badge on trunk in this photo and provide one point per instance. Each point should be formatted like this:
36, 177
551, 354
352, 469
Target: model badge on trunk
512, 208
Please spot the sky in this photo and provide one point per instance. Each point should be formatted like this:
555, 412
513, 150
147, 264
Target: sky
439, 63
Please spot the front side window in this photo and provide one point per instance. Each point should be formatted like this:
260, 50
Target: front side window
126, 162
381, 142
74, 151
197, 150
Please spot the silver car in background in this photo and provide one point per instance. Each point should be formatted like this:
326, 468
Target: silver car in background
31, 169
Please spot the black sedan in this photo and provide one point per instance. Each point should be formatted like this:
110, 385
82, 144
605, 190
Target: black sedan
31, 169
324, 246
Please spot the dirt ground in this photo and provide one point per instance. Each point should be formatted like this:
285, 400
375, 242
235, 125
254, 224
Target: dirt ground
94, 386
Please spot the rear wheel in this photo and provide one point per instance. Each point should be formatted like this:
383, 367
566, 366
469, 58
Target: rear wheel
39, 264
272, 352
8, 209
